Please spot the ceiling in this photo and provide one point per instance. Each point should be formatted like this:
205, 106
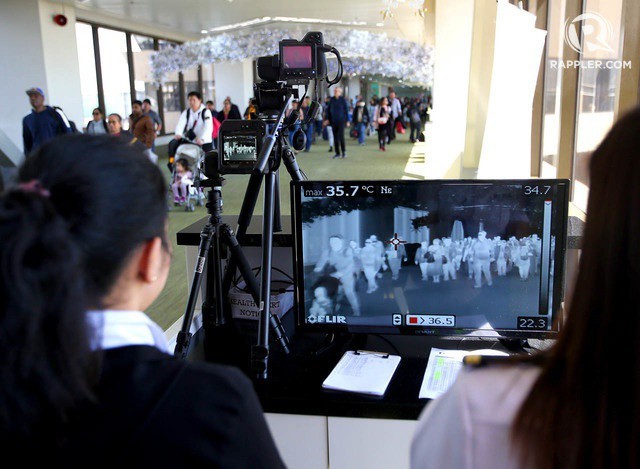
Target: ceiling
191, 17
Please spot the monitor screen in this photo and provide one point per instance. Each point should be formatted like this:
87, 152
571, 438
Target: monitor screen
238, 147
448, 257
297, 57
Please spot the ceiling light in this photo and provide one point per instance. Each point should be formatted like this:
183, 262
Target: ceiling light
244, 24
379, 25
204, 31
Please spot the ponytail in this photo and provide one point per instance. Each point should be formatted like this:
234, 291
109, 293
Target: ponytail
44, 341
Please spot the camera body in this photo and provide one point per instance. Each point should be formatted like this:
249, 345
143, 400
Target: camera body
297, 63
239, 144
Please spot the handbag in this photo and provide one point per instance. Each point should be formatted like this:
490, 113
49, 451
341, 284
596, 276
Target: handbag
400, 127
383, 120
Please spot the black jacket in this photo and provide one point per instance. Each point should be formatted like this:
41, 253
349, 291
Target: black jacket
156, 411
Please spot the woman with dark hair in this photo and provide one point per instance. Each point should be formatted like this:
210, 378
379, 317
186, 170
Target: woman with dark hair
86, 376
98, 125
575, 405
381, 121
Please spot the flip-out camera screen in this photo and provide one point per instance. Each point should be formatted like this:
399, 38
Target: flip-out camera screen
297, 57
240, 148
431, 257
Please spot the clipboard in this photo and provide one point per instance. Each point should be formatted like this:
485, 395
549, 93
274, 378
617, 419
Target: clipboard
363, 371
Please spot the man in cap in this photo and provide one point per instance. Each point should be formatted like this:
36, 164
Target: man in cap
44, 122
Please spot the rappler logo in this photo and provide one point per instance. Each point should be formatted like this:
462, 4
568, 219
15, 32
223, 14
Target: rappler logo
597, 33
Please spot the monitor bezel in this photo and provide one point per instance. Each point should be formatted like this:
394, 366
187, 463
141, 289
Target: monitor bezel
559, 273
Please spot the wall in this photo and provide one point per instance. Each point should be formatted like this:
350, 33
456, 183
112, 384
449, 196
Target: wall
484, 31
61, 61
234, 79
22, 55
454, 26
41, 54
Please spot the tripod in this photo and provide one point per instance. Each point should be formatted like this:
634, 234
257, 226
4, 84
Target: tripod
215, 232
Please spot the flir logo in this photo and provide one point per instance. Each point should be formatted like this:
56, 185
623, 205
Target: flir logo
326, 319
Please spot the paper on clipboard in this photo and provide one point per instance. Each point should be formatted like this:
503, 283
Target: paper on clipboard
363, 372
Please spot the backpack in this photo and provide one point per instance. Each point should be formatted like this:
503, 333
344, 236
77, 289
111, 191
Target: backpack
62, 118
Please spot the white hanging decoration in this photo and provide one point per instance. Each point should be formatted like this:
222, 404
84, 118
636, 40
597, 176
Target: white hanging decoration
363, 53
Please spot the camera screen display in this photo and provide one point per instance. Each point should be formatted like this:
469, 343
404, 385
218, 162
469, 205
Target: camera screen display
297, 57
239, 148
430, 257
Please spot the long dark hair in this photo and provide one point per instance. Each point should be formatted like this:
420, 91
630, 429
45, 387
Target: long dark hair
63, 247
584, 409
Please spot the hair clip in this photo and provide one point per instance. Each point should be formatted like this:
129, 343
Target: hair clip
34, 187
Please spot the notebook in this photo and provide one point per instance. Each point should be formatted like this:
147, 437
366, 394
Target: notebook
363, 372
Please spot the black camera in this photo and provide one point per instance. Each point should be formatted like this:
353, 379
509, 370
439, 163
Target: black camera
298, 62
239, 144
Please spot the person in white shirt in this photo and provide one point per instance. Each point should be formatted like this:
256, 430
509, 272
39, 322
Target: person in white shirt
576, 404
195, 125
396, 114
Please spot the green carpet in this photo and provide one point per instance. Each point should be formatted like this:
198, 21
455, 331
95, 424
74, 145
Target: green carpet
362, 162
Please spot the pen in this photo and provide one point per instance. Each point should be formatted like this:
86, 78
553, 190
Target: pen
482, 360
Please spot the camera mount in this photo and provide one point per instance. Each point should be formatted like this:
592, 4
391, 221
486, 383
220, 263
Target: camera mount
298, 63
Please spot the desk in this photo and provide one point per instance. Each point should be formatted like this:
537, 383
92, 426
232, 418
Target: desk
317, 428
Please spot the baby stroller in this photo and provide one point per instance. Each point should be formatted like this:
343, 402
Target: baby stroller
195, 157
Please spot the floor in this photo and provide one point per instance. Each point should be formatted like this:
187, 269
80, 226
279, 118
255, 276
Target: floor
401, 160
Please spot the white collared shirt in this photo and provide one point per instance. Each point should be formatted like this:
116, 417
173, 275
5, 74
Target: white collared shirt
114, 329
396, 108
200, 121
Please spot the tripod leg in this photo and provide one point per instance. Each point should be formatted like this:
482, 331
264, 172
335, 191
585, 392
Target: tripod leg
260, 352
252, 284
246, 212
184, 336
277, 219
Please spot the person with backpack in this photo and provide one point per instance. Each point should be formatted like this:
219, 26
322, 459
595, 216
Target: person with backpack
360, 120
415, 120
98, 125
195, 125
44, 122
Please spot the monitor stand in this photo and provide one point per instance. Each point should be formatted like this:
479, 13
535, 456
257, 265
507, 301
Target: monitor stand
340, 340
516, 345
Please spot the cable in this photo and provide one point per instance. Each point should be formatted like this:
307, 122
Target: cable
340, 72
381, 337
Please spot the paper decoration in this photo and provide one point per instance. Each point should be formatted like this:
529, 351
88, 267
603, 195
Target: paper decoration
363, 53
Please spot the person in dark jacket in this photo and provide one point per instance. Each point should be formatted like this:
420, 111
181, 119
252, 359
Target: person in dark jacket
338, 117
361, 120
87, 377
43, 124
229, 111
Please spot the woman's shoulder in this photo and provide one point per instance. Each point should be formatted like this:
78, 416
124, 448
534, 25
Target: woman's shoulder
495, 393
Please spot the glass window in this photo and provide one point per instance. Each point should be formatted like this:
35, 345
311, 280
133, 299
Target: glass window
191, 82
552, 90
142, 48
115, 73
171, 94
88, 79
597, 88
